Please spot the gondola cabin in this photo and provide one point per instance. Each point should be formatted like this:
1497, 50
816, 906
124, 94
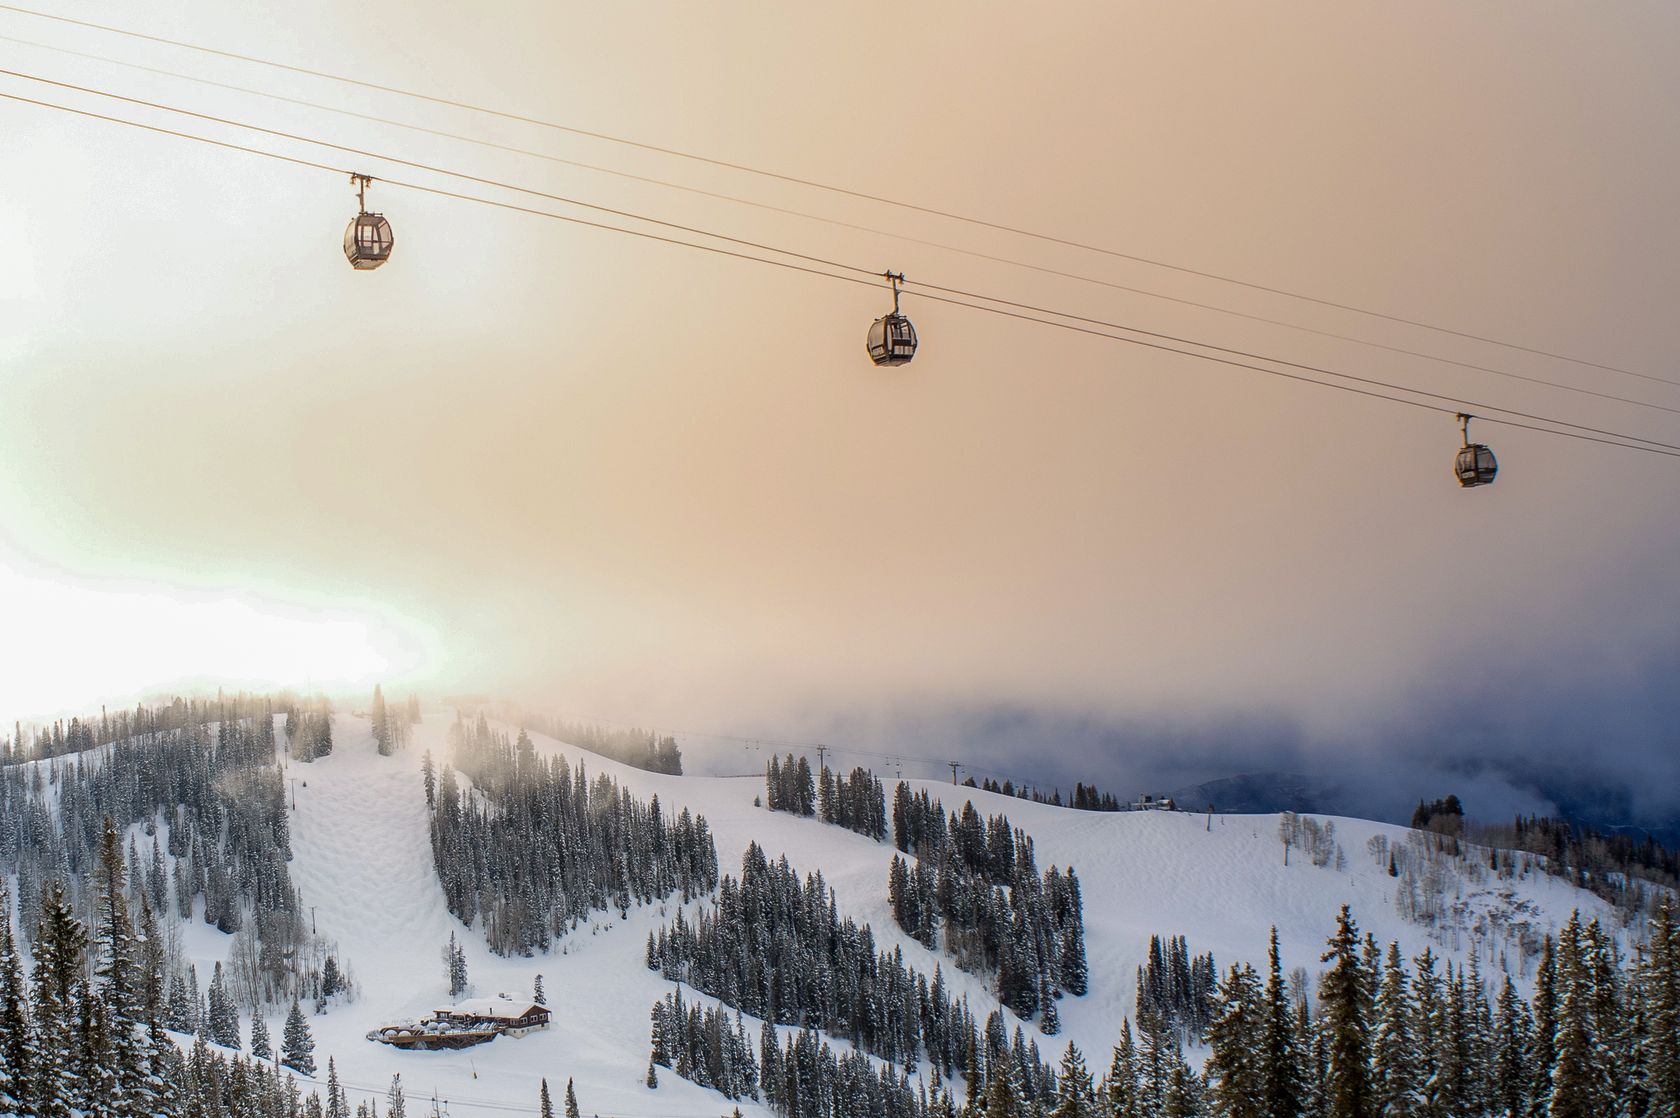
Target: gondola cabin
892, 340
1475, 465
368, 241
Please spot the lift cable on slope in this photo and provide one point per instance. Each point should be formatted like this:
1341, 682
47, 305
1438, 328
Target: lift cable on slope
853, 226
817, 185
795, 744
1634, 443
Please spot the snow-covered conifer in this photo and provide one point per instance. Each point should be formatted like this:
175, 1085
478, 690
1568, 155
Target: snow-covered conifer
297, 1047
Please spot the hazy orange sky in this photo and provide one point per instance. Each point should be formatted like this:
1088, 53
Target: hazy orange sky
621, 477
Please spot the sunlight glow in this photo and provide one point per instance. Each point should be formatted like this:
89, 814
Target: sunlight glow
65, 646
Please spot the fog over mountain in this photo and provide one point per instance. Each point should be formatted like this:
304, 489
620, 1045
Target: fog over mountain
607, 475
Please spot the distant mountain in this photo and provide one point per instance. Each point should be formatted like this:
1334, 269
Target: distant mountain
1582, 800
1265, 794
1591, 801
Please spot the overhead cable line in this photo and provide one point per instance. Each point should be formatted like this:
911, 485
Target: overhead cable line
839, 223
858, 276
846, 191
399, 161
776, 743
1456, 400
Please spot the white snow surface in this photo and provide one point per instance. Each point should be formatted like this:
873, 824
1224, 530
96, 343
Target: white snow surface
363, 860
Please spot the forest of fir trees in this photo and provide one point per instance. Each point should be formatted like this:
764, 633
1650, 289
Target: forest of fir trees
530, 847
972, 885
1379, 1036
204, 805
855, 801
84, 1027
774, 946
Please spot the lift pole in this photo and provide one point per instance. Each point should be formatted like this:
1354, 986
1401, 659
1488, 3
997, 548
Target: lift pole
953, 765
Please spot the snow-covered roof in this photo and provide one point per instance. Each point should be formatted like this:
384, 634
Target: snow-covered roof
494, 1008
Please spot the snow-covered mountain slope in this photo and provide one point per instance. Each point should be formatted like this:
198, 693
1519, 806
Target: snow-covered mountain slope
364, 864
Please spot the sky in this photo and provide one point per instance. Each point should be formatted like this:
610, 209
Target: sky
615, 477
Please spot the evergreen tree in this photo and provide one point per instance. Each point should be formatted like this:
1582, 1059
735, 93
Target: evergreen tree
261, 1047
1345, 996
455, 967
1183, 1097
1577, 1091
1511, 1075
224, 1015
1003, 1093
337, 1105
15, 1064
297, 1047
1662, 1058
382, 737
396, 1106
1280, 1053
332, 979
571, 1100
60, 943
1075, 975
1123, 1094
545, 1105
1236, 1068
1075, 1097
122, 1071
1394, 1071
1543, 1055
537, 994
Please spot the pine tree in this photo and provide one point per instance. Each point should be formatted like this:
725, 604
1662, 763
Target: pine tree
124, 1066
1662, 1059
15, 1063
60, 943
1236, 1067
224, 1015
1576, 1088
545, 1105
1074, 973
297, 1047
1049, 1021
1511, 1075
1394, 1071
455, 967
1344, 994
261, 1048
381, 723
1183, 1099
652, 1077
537, 994
1074, 1095
1430, 1030
1123, 1095
396, 1106
1280, 1055
571, 1100
1543, 1054
1003, 1093
337, 1106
